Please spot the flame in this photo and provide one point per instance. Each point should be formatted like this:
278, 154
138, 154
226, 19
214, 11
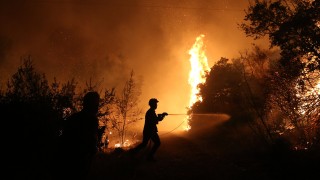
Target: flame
310, 90
199, 68
126, 143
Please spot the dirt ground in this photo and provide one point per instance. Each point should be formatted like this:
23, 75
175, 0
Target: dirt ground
213, 151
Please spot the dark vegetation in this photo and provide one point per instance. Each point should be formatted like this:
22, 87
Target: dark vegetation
33, 114
275, 92
272, 97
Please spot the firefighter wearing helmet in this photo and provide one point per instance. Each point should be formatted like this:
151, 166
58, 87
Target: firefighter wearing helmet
150, 130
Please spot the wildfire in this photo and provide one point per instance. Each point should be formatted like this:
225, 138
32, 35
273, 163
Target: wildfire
199, 68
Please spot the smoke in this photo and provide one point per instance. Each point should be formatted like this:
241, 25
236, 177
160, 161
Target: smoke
105, 40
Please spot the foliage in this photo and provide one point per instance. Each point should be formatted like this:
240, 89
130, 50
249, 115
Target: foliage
107, 98
293, 26
238, 87
254, 67
251, 90
219, 93
29, 92
106, 103
31, 112
126, 110
298, 107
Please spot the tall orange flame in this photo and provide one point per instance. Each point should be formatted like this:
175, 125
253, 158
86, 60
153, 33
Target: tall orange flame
199, 68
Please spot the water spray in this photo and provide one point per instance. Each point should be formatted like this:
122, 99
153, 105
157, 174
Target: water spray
183, 114
192, 114
178, 114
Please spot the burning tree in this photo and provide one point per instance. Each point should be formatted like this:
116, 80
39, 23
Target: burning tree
126, 110
293, 26
297, 102
197, 75
237, 87
255, 71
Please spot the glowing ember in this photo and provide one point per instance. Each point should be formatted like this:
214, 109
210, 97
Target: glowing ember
125, 144
118, 145
199, 68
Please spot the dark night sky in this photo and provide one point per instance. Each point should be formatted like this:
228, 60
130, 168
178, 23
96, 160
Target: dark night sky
105, 39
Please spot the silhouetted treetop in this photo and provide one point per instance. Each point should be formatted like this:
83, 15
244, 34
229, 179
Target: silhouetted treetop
291, 25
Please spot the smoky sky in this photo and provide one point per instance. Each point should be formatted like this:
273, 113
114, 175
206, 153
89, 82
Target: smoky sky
106, 39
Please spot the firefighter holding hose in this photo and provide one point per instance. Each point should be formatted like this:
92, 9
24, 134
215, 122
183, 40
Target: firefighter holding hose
150, 130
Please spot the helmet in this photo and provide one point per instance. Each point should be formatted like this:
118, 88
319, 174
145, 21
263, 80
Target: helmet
153, 101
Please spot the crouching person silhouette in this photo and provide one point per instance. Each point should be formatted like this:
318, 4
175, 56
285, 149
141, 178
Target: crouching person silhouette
80, 139
150, 130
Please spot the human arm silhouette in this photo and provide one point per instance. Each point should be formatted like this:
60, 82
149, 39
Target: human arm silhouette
162, 115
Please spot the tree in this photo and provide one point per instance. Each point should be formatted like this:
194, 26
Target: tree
107, 101
297, 106
293, 27
126, 109
219, 93
238, 87
254, 68
31, 111
105, 110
